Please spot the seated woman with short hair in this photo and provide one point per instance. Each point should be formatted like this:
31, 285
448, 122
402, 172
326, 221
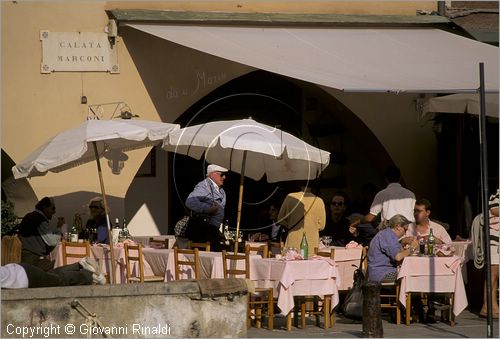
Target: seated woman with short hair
386, 251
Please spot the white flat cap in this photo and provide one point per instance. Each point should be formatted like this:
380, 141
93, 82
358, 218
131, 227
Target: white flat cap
215, 168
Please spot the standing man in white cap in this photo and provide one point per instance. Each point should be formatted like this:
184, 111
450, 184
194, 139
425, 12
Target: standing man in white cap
208, 200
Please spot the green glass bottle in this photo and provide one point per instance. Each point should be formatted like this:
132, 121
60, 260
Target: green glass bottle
304, 247
430, 243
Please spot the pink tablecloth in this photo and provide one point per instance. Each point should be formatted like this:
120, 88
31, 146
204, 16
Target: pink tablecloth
433, 274
462, 249
347, 260
295, 278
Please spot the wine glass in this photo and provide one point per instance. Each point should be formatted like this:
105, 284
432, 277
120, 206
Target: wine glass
327, 240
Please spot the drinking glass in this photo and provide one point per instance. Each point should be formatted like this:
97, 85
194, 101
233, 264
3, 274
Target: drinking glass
327, 240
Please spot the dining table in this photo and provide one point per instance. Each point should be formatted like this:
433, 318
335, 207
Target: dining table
289, 278
347, 260
144, 240
462, 249
422, 273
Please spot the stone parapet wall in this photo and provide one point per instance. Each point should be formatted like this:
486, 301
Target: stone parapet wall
205, 308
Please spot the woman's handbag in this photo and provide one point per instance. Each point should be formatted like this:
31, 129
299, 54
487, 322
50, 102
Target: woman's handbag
353, 304
197, 227
181, 226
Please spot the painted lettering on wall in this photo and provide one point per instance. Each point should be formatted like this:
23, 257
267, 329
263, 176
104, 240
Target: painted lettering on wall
77, 51
202, 81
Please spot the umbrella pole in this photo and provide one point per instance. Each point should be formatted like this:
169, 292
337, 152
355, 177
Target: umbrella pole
240, 202
108, 222
484, 195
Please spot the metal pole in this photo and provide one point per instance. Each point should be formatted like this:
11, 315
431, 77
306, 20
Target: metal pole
441, 8
484, 195
106, 210
240, 202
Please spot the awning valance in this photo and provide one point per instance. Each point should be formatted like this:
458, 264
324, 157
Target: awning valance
349, 59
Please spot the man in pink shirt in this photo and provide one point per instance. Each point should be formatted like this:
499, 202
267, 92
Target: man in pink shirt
421, 228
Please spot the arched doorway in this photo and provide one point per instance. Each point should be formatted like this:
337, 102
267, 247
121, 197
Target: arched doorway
299, 108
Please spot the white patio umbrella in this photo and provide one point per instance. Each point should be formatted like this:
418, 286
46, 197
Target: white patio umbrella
251, 149
88, 142
461, 103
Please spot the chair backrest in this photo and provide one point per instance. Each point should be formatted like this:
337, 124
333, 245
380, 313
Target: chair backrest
364, 254
158, 243
330, 254
11, 249
236, 265
75, 250
259, 249
275, 248
133, 254
184, 261
203, 246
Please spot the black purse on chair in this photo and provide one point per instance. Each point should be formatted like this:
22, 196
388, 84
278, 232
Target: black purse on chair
353, 305
197, 227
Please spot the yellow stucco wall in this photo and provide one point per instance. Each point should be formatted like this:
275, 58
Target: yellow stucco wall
36, 106
288, 6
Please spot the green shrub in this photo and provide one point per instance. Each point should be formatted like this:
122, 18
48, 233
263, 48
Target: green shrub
9, 217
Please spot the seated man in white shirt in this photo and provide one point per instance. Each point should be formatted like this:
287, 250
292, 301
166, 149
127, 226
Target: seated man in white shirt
23, 275
421, 228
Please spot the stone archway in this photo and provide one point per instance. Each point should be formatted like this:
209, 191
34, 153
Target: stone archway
300, 108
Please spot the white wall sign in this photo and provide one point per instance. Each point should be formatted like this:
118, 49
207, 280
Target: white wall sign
77, 52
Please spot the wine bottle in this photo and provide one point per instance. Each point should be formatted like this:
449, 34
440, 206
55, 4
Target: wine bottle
304, 247
430, 243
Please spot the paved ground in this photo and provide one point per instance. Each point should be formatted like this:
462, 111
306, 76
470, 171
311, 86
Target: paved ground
468, 325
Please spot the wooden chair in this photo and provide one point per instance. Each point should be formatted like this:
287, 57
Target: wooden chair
275, 248
195, 263
330, 254
11, 249
364, 254
446, 309
158, 243
202, 246
133, 255
260, 249
319, 308
261, 299
74, 250
389, 298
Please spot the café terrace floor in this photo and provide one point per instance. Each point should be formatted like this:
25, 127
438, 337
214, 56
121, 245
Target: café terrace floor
468, 325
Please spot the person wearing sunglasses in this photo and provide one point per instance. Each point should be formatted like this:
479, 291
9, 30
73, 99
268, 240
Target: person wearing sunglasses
338, 225
97, 223
37, 236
